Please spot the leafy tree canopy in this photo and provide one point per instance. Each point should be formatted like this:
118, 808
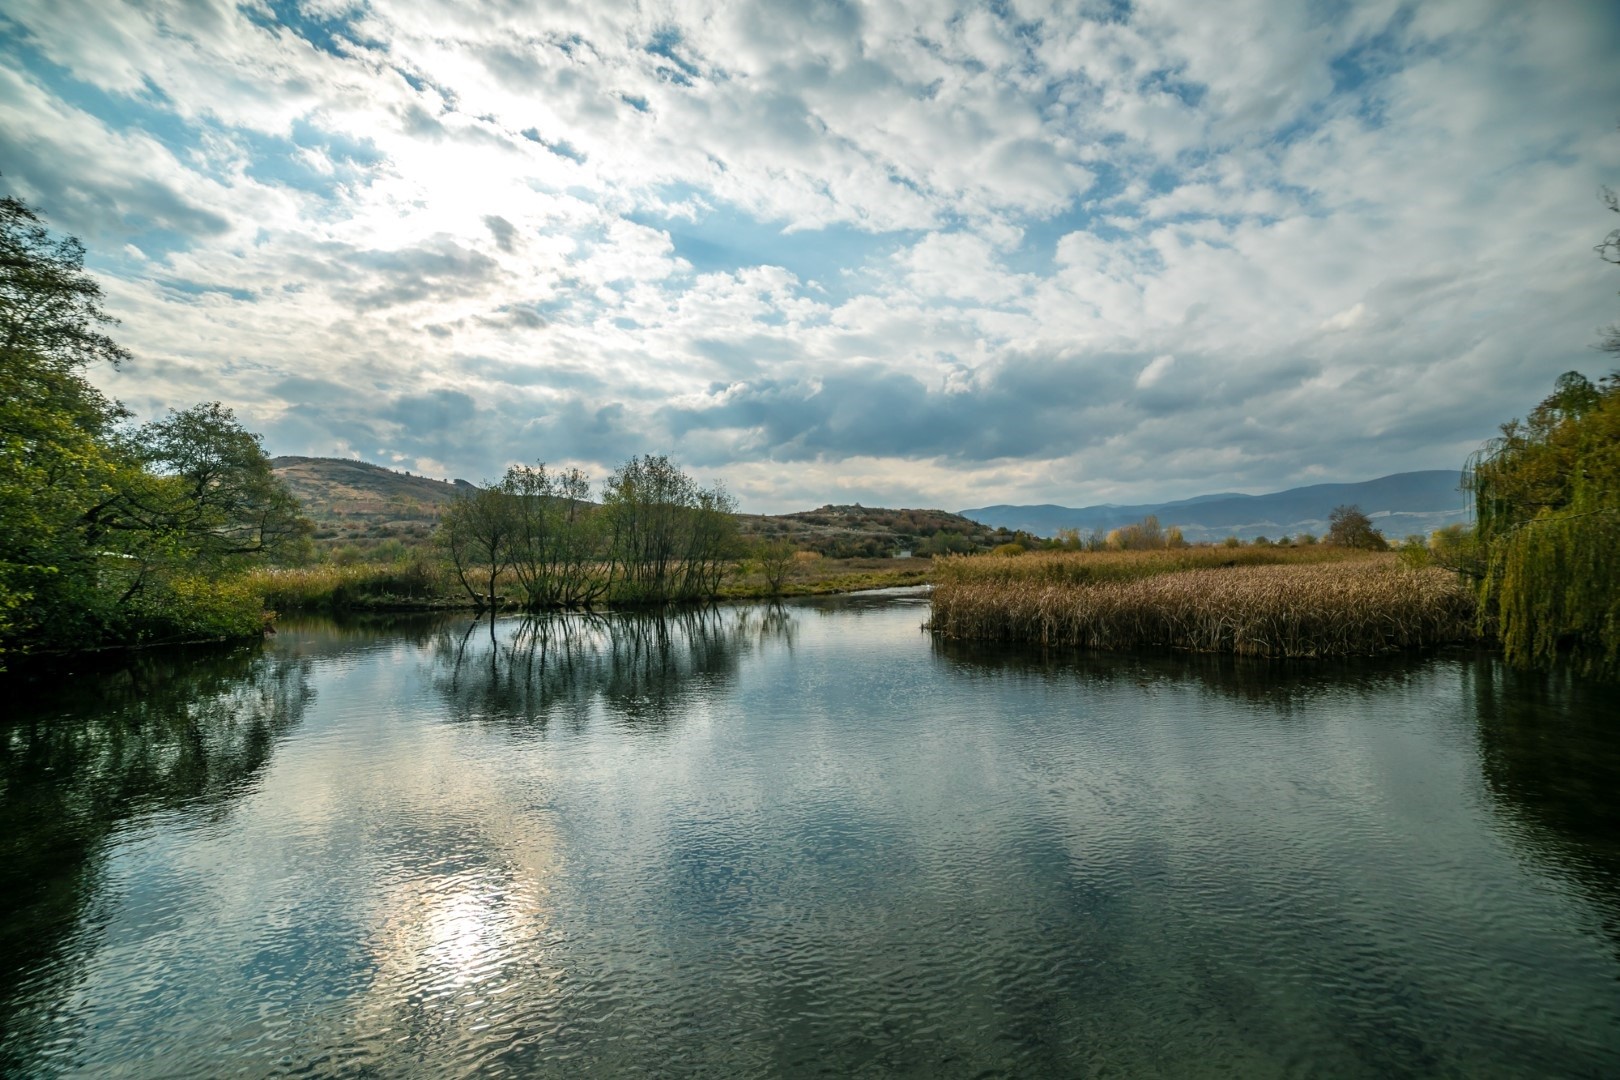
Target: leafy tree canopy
104, 528
1349, 527
1547, 508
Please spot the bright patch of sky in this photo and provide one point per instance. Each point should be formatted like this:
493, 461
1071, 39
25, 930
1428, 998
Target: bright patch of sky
906, 254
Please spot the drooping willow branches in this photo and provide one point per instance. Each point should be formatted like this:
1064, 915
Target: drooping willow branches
1547, 507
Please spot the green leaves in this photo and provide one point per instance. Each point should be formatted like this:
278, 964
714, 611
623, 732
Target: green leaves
1547, 498
217, 495
110, 535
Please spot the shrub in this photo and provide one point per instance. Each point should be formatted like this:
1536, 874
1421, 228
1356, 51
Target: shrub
1413, 552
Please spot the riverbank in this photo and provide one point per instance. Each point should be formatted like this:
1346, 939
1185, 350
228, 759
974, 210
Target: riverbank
1272, 605
418, 585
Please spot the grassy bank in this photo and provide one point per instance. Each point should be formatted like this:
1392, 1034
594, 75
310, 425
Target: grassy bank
1287, 604
412, 585
811, 575
422, 585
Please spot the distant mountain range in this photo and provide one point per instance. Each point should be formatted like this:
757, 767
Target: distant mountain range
1402, 504
357, 501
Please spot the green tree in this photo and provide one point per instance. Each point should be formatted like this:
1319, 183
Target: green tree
478, 531
1547, 526
775, 558
1455, 548
217, 493
106, 533
1348, 527
556, 537
667, 537
56, 459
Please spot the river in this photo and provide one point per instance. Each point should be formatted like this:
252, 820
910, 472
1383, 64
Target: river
801, 839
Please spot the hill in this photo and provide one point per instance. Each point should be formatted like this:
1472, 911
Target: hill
865, 531
358, 501
1399, 504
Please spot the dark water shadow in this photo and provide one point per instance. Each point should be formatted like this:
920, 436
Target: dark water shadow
1548, 743
86, 754
1549, 747
1284, 685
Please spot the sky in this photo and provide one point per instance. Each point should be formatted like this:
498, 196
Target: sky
905, 254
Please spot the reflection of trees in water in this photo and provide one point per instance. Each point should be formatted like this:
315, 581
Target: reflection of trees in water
645, 667
1549, 754
349, 632
1550, 758
1276, 683
97, 750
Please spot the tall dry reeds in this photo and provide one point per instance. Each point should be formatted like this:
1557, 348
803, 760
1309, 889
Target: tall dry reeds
330, 587
1091, 567
1295, 607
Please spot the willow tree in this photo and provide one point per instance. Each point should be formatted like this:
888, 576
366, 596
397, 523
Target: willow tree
1547, 510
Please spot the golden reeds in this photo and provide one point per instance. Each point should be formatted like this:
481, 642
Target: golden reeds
1345, 606
1092, 567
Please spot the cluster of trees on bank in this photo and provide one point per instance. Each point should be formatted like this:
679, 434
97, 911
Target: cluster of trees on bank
113, 532
1546, 542
1545, 547
655, 536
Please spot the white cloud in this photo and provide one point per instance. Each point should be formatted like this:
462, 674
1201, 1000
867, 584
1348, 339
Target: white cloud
919, 249
1156, 370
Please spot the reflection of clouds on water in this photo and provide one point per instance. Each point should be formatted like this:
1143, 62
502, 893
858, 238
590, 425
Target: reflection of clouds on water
460, 938
643, 669
847, 850
85, 758
464, 952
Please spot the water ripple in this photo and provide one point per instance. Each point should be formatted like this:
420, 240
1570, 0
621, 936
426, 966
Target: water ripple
804, 839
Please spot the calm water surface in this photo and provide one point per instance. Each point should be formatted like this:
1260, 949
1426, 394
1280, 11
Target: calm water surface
801, 839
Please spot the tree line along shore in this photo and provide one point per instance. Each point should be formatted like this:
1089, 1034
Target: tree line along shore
115, 534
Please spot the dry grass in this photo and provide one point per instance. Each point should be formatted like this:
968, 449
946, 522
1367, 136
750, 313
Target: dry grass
1342, 605
1094, 567
327, 587
812, 575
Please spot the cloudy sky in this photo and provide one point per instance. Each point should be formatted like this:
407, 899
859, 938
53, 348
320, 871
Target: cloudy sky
903, 254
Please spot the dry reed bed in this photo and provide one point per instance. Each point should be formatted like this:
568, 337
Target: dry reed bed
1352, 607
1092, 567
308, 588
